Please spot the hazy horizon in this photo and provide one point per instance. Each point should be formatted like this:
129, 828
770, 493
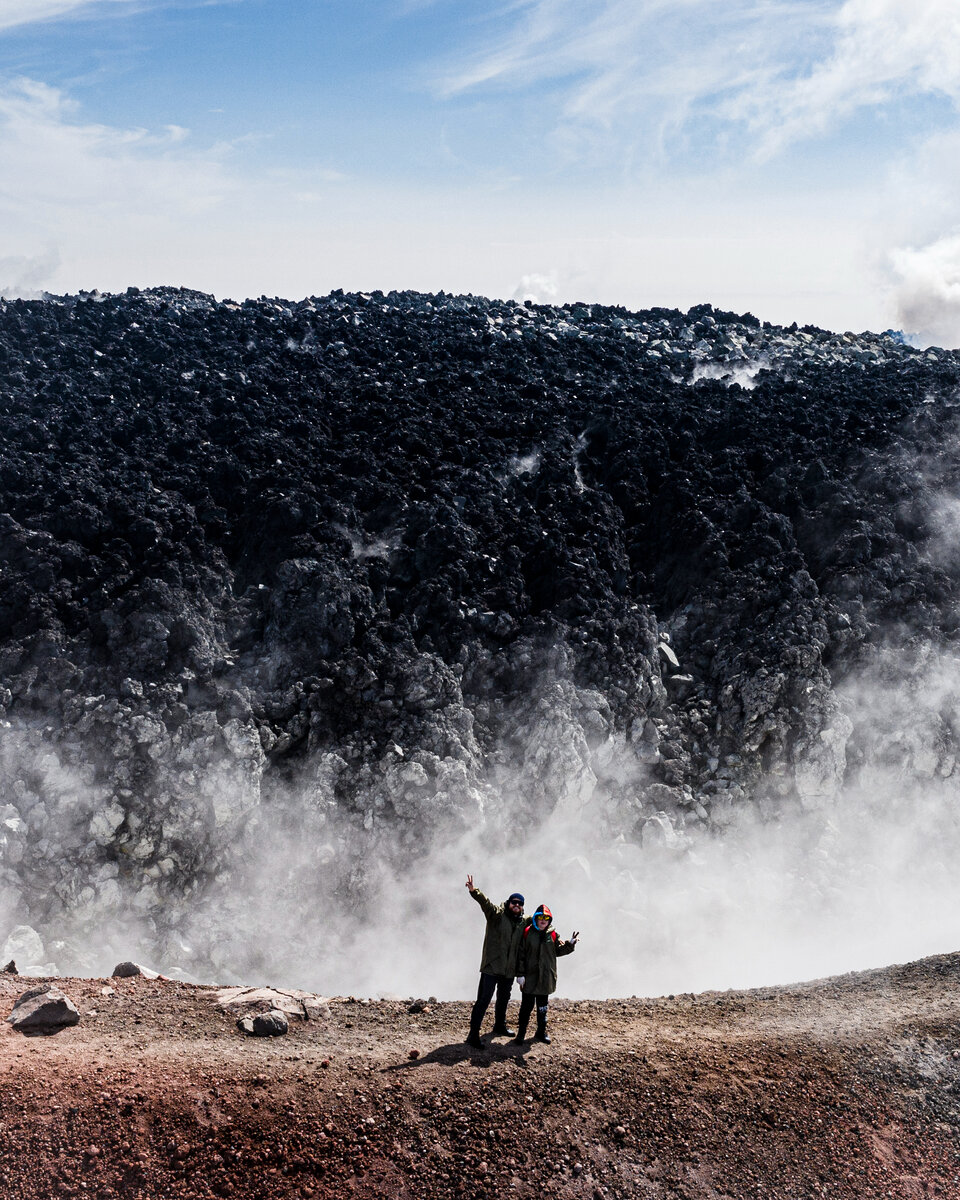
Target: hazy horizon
790, 160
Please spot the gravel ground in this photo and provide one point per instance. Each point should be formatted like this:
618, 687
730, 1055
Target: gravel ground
846, 1087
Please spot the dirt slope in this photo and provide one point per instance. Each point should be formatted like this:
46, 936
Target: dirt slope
848, 1087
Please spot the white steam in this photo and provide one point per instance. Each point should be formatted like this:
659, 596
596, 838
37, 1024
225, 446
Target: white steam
863, 880
927, 291
743, 372
332, 894
24, 277
537, 288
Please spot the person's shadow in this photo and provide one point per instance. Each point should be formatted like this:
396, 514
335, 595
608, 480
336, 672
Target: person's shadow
459, 1052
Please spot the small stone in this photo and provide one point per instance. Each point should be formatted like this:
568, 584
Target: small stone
10, 968
127, 970
268, 1024
413, 1054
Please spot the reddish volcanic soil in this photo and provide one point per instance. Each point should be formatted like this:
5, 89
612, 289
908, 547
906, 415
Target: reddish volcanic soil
845, 1087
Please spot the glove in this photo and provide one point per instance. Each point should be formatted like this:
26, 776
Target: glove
521, 979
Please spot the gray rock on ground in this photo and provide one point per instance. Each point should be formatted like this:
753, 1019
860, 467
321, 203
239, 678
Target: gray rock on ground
127, 970
266, 1024
294, 1004
42, 1011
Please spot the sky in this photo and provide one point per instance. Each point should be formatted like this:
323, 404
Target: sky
798, 159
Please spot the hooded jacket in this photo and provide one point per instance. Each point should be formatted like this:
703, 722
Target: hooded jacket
501, 942
539, 951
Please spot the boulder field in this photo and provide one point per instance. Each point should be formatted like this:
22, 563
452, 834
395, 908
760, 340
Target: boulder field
354, 576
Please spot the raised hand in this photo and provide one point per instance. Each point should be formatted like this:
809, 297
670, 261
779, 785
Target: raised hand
575, 938
469, 883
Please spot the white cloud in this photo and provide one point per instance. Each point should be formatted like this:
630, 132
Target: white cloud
884, 50
54, 163
26, 12
781, 69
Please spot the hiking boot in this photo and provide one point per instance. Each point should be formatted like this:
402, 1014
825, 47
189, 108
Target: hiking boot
473, 1039
503, 1031
541, 1035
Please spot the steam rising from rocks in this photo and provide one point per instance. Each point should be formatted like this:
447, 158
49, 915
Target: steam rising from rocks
311, 609
928, 291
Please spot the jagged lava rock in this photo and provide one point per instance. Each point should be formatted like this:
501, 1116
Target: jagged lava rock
404, 555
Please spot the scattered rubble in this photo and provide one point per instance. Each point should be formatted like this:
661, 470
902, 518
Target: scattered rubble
843, 1087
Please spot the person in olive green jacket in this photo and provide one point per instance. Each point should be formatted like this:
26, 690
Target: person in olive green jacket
498, 962
540, 947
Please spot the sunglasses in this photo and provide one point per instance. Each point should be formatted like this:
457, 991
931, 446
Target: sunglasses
516, 904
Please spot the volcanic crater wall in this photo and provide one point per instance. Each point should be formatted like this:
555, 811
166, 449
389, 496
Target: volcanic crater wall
363, 573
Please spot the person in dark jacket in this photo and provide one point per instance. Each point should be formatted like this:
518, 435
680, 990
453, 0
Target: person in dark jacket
498, 963
540, 947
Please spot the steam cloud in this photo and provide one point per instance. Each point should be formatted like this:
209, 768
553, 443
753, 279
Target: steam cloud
928, 291
25, 277
306, 898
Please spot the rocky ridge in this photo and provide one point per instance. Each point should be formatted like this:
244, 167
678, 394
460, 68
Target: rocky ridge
362, 572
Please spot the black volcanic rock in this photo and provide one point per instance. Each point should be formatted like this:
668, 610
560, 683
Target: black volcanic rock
408, 548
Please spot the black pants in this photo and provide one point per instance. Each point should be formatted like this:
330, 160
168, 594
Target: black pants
502, 985
527, 1001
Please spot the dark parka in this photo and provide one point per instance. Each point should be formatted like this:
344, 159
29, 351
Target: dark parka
538, 959
501, 942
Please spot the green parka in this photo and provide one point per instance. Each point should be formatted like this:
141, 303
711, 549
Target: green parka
538, 959
501, 942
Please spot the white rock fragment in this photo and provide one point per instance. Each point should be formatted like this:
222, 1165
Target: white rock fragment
23, 944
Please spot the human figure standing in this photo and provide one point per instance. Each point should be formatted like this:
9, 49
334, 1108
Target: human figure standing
540, 947
498, 962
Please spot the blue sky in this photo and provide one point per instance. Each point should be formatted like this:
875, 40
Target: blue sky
796, 158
